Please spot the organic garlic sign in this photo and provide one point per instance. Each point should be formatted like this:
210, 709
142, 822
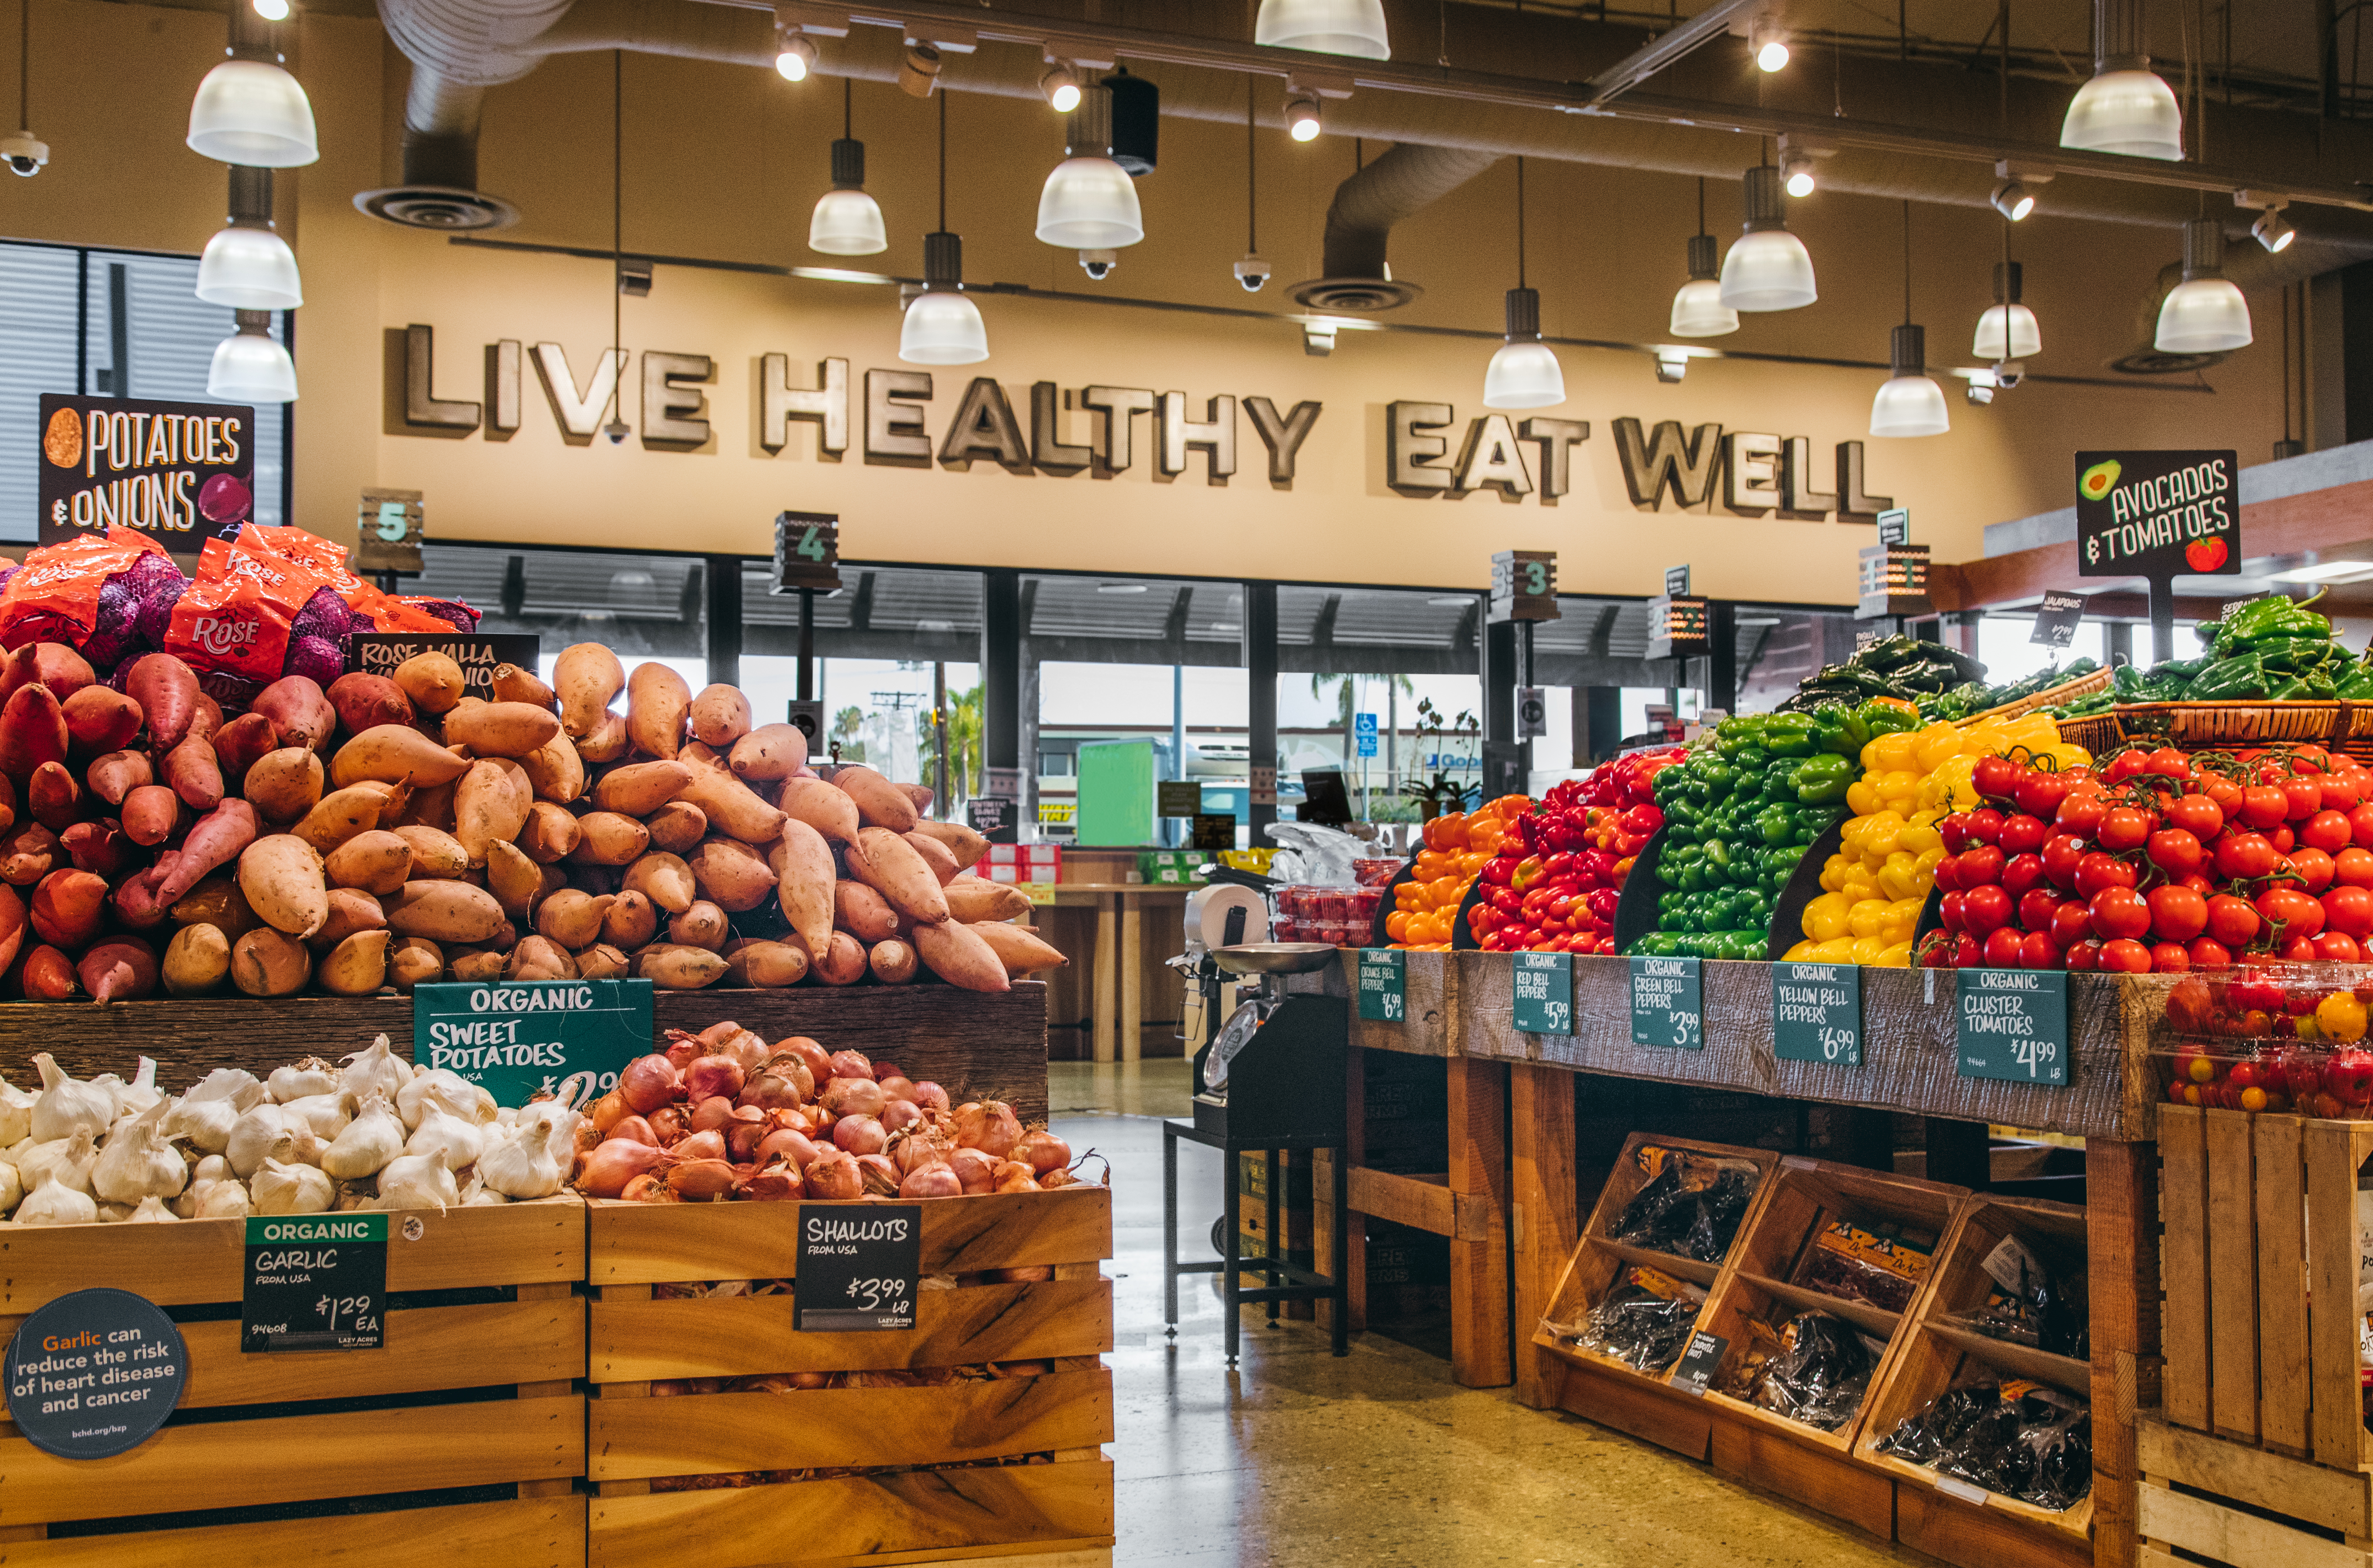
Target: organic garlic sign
179, 472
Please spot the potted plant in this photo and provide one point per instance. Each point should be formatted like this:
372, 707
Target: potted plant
1455, 778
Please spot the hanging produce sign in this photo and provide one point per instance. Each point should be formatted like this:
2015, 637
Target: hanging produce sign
1544, 995
2014, 1025
2158, 514
1817, 1012
522, 1037
179, 472
314, 1282
1668, 1002
2057, 618
859, 1269
1383, 985
388, 531
1524, 586
378, 653
94, 1373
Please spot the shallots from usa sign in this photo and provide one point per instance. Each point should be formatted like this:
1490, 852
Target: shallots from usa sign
523, 1037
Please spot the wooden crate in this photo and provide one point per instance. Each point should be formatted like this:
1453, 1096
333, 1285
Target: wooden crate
1949, 1518
1800, 1462
530, 1344
900, 1508
1601, 1388
2260, 1216
2248, 1507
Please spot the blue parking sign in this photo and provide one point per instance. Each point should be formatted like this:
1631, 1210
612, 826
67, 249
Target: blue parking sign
1364, 731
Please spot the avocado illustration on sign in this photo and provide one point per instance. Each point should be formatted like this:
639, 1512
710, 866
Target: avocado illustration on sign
2098, 481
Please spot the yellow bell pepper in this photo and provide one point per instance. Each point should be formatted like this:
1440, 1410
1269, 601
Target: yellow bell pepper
1866, 918
1825, 917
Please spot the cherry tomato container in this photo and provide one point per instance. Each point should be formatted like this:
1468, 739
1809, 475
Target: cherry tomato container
2273, 1037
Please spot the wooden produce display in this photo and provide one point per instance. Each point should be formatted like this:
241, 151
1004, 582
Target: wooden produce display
899, 1474
504, 1347
1947, 1518
1768, 1281
1601, 1388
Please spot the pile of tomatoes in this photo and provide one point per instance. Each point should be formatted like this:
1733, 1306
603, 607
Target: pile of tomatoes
2160, 861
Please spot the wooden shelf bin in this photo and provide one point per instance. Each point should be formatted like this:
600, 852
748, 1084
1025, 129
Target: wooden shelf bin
877, 1474
515, 1419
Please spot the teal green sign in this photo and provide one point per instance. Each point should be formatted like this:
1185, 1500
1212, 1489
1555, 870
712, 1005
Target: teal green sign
522, 1037
1545, 993
1817, 1012
1383, 985
2014, 1025
1668, 1002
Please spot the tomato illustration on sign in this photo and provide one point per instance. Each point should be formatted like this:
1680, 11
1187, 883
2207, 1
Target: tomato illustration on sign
2204, 555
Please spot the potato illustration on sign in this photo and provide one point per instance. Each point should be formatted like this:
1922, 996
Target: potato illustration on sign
2096, 482
62, 443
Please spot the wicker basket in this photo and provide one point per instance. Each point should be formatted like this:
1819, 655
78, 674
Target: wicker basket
2201, 726
2099, 733
2051, 696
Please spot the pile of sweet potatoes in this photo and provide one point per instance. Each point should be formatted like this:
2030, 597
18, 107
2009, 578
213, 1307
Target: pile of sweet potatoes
389, 832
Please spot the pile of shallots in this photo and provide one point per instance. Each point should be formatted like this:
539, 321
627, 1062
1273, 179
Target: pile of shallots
723, 1115
306, 1139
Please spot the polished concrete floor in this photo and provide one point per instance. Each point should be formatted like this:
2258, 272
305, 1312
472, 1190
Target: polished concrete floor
1375, 1460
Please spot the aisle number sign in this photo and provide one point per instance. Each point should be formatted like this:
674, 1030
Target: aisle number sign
1817, 1012
1668, 1002
2014, 1025
1544, 993
1383, 985
806, 551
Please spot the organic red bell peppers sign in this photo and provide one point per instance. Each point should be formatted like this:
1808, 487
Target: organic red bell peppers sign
2158, 514
179, 472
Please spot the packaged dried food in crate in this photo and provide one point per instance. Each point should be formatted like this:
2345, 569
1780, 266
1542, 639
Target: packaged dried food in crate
1691, 1205
1644, 1321
2019, 1439
2031, 1305
1881, 1264
1813, 1369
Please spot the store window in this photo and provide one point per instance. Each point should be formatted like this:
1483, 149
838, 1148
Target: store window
1407, 661
643, 608
2005, 649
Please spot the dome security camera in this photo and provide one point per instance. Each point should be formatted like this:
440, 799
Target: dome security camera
616, 430
25, 153
1098, 265
1251, 272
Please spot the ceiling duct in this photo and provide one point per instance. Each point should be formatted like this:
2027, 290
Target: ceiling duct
1360, 221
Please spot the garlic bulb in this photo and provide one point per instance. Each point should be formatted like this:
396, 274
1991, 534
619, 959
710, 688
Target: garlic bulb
449, 1092
114, 1213
376, 1069
326, 1114
519, 1163
204, 1125
208, 1171
312, 1076
68, 1160
368, 1143
291, 1189
151, 1211
251, 1137
16, 1113
476, 1194
64, 1104
138, 1162
224, 1200
12, 1189
132, 1098
51, 1203
238, 1086
417, 1181
447, 1136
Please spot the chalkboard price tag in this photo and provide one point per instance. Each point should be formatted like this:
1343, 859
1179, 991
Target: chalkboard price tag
378, 653
522, 1037
1700, 1362
859, 1267
1667, 1006
1817, 1012
1544, 997
2014, 1025
314, 1282
2057, 620
94, 1373
1383, 985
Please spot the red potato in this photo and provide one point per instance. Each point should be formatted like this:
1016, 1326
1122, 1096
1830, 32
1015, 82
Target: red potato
829, 811
48, 976
301, 712
121, 968
51, 664
959, 956
32, 730
842, 962
99, 719
862, 912
101, 848
214, 840
244, 742
196, 774
167, 691
889, 865
53, 798
28, 854
364, 702
205, 722
117, 773
768, 753
935, 855
880, 803
892, 962
962, 842
70, 907
151, 813
1020, 948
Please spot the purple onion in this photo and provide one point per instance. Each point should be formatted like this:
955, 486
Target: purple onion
325, 615
157, 609
452, 612
118, 622
316, 657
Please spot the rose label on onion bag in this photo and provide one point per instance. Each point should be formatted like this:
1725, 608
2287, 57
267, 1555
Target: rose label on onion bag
314, 1282
858, 1268
518, 1038
94, 1373
2014, 1025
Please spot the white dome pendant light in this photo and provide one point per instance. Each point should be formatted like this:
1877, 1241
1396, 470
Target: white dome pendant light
1698, 310
1326, 27
2008, 330
247, 266
2125, 108
943, 327
1768, 268
1524, 372
1909, 403
848, 222
249, 110
2204, 313
1089, 201
249, 367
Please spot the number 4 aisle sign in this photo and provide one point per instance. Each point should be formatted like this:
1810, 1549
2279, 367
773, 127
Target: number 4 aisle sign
806, 551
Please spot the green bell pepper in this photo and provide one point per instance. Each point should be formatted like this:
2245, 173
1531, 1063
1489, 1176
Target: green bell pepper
1823, 779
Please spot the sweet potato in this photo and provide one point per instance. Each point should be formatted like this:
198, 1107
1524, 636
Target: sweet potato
432, 681
863, 913
300, 713
732, 807
958, 955
966, 846
364, 702
245, 741
167, 691
880, 803
973, 899
573, 919
357, 967
266, 961
282, 786
768, 753
663, 879
587, 676
630, 922
678, 827
8, 803
703, 925
15, 921
477, 965
117, 773
196, 774
935, 855
801, 862
53, 798
351, 910
829, 811
431, 806
340, 814
415, 960
515, 685
732, 874
502, 728
217, 902
721, 716
608, 839
556, 771
607, 742
1020, 948
639, 789
283, 879
70, 907
99, 719
773, 965
672, 968
549, 832
920, 794
587, 877
444, 911
32, 731
657, 701
889, 865
435, 855
121, 968
48, 974
206, 721
197, 960
377, 862
539, 958
892, 962
487, 807
395, 753
600, 962
842, 961
51, 664
99, 848
28, 854
516, 880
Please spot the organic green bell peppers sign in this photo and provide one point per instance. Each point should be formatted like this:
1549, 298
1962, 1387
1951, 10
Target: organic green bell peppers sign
519, 1037
1668, 1002
2014, 1025
1544, 994
1383, 985
1817, 1012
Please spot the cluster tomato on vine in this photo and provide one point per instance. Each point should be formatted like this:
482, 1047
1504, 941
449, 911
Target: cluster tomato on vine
1554, 888
2159, 859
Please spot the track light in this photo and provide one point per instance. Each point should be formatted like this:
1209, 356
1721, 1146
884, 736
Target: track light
796, 56
1981, 388
1909, 403
919, 72
1061, 86
2013, 200
2204, 313
1769, 41
1318, 339
1797, 174
1768, 268
1302, 116
2272, 231
1328, 27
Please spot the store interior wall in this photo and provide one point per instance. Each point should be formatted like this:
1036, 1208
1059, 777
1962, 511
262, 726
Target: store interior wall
725, 161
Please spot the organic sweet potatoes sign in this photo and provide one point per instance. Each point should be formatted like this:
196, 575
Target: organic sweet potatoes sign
179, 472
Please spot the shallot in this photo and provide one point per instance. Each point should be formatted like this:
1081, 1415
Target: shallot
849, 1064
776, 1183
648, 1082
610, 1167
974, 1169
929, 1095
989, 1126
788, 1143
812, 1055
859, 1135
834, 1176
934, 1180
881, 1176
699, 1179
713, 1075
901, 1114
1042, 1151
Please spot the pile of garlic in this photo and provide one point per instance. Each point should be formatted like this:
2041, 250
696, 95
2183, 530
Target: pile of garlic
376, 1133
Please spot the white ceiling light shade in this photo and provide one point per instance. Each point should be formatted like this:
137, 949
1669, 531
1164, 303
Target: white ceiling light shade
1523, 372
2008, 330
1698, 310
2204, 313
1909, 403
249, 268
1768, 268
848, 222
1326, 27
249, 367
1089, 202
942, 326
272, 10
252, 112
2125, 108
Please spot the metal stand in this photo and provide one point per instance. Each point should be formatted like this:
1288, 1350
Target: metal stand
1297, 1284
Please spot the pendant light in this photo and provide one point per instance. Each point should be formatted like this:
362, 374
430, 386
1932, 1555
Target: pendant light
1089, 201
250, 111
1909, 403
848, 222
247, 266
249, 367
1326, 27
2008, 330
1524, 372
2204, 313
2126, 108
1768, 268
1698, 310
616, 429
943, 327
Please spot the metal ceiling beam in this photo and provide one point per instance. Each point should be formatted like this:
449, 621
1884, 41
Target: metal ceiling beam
1668, 49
